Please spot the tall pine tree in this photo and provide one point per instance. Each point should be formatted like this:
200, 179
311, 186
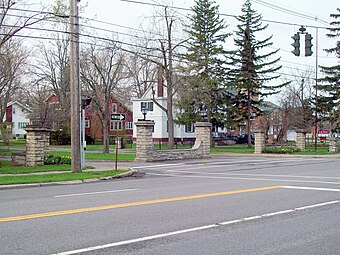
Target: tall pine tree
331, 80
254, 72
204, 88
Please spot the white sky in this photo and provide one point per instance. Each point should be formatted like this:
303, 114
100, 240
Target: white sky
132, 14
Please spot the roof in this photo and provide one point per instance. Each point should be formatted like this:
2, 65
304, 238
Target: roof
20, 104
268, 106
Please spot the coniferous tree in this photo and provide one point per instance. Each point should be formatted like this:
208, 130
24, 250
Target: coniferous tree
253, 69
331, 79
204, 88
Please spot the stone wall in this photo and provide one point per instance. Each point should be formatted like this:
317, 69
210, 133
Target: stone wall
259, 141
301, 139
146, 152
333, 147
37, 144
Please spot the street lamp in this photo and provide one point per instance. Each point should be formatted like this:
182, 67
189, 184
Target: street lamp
144, 112
203, 113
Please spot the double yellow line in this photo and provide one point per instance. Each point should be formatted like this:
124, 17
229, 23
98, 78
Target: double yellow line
148, 202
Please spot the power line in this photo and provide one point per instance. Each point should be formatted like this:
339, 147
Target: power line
288, 11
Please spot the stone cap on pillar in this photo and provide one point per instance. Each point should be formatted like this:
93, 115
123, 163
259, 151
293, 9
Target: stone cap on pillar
258, 130
203, 124
145, 123
37, 128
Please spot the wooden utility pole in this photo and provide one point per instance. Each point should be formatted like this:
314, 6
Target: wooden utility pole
75, 87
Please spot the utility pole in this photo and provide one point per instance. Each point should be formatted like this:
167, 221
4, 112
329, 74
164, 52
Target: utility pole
75, 88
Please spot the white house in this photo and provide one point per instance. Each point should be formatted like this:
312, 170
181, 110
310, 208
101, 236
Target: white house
17, 114
181, 133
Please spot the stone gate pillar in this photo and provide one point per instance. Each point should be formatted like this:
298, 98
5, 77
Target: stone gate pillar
259, 140
203, 134
37, 144
301, 139
332, 144
144, 145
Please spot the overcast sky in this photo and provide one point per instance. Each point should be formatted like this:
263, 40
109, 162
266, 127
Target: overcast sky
299, 12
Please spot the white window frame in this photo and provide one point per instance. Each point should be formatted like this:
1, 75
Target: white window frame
190, 128
128, 125
114, 108
116, 125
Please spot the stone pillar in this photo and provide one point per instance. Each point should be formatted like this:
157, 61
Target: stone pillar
332, 144
260, 141
144, 145
203, 134
37, 144
301, 139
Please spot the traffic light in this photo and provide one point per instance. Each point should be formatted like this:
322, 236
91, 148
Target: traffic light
85, 102
308, 45
296, 44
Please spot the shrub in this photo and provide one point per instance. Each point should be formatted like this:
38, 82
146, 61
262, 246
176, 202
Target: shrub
281, 150
51, 160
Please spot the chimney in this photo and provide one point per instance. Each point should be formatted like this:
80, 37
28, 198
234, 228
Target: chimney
160, 82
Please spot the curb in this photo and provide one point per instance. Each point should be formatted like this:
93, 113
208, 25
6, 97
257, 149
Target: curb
130, 173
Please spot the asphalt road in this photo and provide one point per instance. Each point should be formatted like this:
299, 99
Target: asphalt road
224, 205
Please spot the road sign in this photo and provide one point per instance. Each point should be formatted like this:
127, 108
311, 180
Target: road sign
117, 116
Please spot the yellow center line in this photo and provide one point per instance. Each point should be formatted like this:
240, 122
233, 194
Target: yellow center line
147, 202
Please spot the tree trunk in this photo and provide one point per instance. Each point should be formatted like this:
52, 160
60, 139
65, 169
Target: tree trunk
106, 148
170, 125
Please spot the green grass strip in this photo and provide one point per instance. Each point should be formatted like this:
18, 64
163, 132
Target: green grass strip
7, 180
8, 169
98, 156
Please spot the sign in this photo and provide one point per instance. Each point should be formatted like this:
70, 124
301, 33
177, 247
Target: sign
117, 116
323, 132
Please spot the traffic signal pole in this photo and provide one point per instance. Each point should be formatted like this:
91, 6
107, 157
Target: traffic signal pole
309, 52
316, 89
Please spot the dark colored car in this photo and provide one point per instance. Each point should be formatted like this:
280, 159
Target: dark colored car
241, 139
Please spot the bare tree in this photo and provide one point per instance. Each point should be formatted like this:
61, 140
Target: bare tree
11, 24
12, 62
163, 57
296, 104
102, 68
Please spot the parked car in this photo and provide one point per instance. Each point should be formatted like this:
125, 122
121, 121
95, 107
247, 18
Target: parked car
241, 139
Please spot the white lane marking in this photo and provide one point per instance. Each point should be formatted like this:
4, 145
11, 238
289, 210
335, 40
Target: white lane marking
159, 166
311, 188
268, 175
241, 178
93, 193
152, 237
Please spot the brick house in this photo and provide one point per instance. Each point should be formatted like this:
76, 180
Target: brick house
124, 127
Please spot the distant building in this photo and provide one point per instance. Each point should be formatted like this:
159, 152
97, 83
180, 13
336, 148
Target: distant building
182, 133
18, 115
124, 127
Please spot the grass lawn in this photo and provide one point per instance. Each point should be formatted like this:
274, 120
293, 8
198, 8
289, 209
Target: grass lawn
7, 168
7, 180
98, 156
237, 148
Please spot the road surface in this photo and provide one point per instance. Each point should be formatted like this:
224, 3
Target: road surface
222, 205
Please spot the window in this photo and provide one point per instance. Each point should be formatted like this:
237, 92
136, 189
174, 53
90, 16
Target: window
87, 123
114, 108
116, 125
190, 128
146, 105
128, 125
22, 125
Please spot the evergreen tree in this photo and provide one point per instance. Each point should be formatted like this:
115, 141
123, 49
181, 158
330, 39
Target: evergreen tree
331, 80
253, 70
204, 88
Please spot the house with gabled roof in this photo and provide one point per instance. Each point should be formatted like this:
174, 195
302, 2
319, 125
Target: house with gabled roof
18, 114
